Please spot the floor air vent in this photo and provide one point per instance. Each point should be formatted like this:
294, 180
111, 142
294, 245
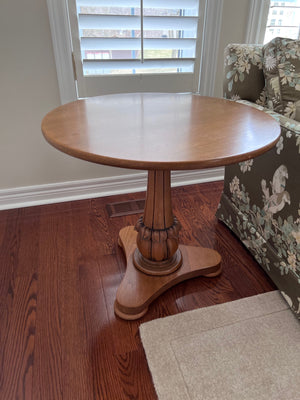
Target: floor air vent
125, 208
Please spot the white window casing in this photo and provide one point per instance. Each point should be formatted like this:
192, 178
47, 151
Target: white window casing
257, 19
62, 48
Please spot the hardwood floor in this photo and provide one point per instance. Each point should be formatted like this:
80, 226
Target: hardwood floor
59, 272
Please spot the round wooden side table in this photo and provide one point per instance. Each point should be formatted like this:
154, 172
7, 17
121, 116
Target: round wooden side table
159, 132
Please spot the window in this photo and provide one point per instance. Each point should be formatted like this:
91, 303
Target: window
156, 37
289, 23
135, 40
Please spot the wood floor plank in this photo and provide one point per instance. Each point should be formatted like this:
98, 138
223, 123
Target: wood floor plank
84, 314
60, 268
96, 347
54, 248
17, 340
134, 376
29, 242
9, 256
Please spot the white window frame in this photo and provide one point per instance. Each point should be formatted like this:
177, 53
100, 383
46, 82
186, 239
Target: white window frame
258, 15
62, 46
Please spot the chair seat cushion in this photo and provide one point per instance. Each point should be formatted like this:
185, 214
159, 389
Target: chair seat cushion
281, 66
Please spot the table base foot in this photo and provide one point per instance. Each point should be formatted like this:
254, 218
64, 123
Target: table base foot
214, 274
138, 290
129, 317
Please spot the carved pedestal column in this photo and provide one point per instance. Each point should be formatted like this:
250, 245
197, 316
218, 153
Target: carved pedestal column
157, 250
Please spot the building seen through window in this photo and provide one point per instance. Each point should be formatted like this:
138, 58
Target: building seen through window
283, 20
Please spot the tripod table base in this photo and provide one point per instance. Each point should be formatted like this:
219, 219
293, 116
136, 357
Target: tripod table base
138, 289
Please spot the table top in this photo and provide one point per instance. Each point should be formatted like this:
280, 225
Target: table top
160, 131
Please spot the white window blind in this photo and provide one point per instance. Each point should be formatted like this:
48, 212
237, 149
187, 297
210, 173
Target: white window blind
136, 45
137, 36
283, 20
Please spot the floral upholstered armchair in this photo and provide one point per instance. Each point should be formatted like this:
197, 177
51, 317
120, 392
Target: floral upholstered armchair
261, 198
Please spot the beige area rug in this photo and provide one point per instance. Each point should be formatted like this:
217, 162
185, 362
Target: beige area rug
247, 349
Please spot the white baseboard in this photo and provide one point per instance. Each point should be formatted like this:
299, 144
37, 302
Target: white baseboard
77, 190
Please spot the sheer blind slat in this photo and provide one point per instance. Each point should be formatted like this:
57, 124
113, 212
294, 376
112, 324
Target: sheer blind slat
135, 44
127, 64
136, 3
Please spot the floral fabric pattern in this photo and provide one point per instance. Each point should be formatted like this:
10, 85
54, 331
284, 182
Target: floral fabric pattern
261, 198
281, 66
261, 205
244, 73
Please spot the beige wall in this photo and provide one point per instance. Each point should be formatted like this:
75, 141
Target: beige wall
29, 89
234, 26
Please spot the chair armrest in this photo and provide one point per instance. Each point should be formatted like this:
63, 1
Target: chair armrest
243, 74
289, 127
